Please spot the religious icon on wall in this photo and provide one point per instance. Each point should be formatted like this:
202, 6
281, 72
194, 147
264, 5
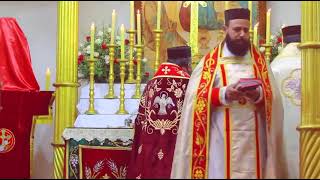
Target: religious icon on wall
175, 23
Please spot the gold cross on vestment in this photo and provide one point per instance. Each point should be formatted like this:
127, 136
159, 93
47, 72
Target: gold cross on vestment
3, 135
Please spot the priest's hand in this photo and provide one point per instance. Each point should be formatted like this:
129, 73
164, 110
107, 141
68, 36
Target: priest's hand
252, 95
232, 93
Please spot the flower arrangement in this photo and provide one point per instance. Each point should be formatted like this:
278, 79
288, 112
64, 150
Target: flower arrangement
276, 42
101, 54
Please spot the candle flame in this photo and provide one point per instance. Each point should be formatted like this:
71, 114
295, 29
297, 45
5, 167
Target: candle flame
48, 70
257, 25
138, 12
269, 10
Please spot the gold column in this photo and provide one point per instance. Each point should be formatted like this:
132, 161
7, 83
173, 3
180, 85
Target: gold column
66, 78
310, 85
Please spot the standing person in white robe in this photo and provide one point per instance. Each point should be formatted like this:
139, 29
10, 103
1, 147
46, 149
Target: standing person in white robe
224, 132
286, 68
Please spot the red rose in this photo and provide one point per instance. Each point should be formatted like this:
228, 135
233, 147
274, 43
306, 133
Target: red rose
135, 62
104, 45
147, 74
279, 40
88, 38
126, 41
116, 61
80, 58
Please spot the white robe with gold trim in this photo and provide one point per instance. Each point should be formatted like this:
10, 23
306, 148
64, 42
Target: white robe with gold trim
243, 129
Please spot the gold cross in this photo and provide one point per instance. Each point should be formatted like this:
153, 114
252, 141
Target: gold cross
3, 135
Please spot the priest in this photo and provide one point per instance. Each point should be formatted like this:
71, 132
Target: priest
227, 131
286, 68
158, 118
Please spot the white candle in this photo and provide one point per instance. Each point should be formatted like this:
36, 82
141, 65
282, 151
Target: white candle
48, 79
113, 24
139, 27
122, 30
255, 35
132, 15
158, 14
92, 41
268, 35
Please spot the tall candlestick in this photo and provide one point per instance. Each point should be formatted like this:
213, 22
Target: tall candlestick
122, 30
92, 41
132, 15
113, 24
250, 10
226, 5
268, 35
255, 35
139, 27
158, 14
48, 79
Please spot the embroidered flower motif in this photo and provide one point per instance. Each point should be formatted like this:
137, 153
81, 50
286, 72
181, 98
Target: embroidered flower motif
178, 93
138, 177
291, 87
198, 174
74, 160
160, 154
200, 105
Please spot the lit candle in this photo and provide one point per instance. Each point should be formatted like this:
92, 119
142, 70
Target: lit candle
132, 15
158, 14
113, 24
226, 5
139, 27
250, 10
268, 35
255, 35
48, 79
92, 41
122, 40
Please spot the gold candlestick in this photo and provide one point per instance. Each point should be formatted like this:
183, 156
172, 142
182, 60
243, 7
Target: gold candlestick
267, 47
137, 94
251, 35
110, 94
122, 90
157, 40
91, 109
131, 79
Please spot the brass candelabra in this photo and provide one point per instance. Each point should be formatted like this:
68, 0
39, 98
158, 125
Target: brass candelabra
122, 109
267, 47
157, 41
110, 94
131, 79
91, 110
137, 94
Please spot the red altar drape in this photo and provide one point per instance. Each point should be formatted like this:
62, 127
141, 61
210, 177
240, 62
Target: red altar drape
16, 71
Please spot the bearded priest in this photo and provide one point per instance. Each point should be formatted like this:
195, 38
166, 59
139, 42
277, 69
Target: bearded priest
231, 124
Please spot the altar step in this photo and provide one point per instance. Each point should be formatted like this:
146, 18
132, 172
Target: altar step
106, 116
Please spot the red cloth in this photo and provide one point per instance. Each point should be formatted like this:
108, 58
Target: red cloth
18, 108
157, 123
97, 162
15, 61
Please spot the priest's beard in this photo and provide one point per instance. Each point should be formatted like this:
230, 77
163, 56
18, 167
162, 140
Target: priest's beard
238, 47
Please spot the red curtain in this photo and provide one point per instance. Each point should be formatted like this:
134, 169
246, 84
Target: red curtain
15, 62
